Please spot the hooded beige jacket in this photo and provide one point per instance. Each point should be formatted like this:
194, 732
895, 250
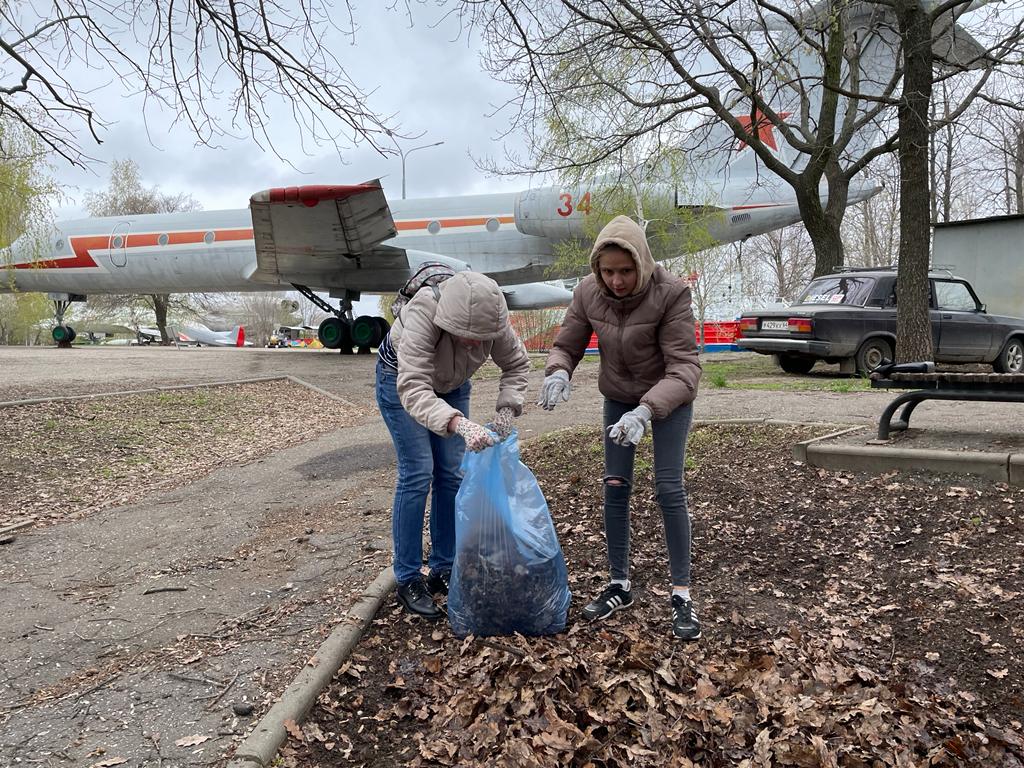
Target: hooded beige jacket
431, 359
647, 340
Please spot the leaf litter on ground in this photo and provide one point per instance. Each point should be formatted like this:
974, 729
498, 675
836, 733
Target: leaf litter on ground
849, 620
67, 459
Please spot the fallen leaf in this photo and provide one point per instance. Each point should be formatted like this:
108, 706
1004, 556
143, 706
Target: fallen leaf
998, 674
293, 729
191, 741
110, 761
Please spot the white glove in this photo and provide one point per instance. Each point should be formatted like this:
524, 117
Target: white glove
477, 438
630, 429
555, 389
502, 424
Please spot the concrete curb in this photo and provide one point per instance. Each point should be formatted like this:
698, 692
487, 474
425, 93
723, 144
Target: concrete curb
320, 391
153, 390
800, 449
260, 747
1001, 467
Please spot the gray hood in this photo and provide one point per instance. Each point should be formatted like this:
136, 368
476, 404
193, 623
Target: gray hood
472, 306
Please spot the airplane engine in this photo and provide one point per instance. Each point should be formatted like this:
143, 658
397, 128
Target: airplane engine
552, 212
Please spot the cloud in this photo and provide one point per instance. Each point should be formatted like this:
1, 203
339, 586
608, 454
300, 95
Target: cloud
428, 75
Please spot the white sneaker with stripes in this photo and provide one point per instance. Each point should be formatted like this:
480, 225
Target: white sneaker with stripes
614, 598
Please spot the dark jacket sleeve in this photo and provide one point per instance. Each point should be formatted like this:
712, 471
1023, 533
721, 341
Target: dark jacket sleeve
570, 343
678, 342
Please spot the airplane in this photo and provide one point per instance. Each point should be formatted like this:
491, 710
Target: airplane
199, 335
344, 240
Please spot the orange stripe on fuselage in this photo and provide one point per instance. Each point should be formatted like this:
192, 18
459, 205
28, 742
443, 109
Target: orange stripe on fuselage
82, 244
473, 221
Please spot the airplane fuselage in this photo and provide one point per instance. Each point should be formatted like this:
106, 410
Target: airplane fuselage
507, 236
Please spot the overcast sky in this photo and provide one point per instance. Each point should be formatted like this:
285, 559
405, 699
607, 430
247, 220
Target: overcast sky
428, 73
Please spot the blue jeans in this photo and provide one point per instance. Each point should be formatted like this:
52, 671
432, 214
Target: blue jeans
670, 435
427, 463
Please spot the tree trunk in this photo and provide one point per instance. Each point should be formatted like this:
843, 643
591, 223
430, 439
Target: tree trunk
913, 324
160, 303
824, 232
1018, 169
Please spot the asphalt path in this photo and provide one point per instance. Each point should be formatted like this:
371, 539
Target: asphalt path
39, 372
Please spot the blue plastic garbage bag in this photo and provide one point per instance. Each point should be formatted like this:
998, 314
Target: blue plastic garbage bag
509, 573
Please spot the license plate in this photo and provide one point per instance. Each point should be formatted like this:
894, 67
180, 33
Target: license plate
774, 325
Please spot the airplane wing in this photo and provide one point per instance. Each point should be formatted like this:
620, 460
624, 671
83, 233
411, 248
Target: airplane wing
308, 234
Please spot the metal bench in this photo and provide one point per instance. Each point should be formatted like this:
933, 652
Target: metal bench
990, 387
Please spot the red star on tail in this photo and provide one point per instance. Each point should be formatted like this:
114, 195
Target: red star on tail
764, 129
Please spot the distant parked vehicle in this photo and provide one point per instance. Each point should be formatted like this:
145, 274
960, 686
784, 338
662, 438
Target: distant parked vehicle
850, 318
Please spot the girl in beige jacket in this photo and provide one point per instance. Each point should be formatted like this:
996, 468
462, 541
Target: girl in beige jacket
649, 373
423, 387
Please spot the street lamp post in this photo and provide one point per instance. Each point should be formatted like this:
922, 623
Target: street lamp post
403, 153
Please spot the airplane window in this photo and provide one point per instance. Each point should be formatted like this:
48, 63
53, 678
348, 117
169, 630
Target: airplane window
492, 224
118, 241
58, 245
162, 240
209, 237
434, 227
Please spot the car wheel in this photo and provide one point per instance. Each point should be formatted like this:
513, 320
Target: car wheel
871, 354
794, 364
1011, 357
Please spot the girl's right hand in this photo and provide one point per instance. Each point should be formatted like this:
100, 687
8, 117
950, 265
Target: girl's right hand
477, 438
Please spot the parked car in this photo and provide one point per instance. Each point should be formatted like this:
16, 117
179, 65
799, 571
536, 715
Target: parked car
850, 318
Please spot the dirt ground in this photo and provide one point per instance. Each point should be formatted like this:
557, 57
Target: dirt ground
848, 621
271, 553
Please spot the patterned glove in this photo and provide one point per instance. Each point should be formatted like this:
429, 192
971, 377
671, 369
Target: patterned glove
503, 422
555, 389
630, 429
477, 438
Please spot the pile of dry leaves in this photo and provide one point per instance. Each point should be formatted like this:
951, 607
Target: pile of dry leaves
848, 620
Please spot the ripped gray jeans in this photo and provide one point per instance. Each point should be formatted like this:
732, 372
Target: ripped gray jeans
670, 436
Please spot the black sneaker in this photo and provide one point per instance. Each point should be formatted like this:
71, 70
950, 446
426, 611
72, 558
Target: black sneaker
614, 598
685, 624
415, 598
437, 583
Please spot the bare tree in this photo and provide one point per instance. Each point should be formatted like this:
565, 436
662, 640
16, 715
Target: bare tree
999, 138
788, 257
598, 75
186, 56
262, 313
126, 195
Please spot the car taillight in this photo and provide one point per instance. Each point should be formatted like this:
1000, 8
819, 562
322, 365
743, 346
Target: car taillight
801, 325
748, 324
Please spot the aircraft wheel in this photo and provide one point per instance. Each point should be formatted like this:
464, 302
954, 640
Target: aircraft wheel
62, 334
366, 331
334, 333
384, 325
71, 334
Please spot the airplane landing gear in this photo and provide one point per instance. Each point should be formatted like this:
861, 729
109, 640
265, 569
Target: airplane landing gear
342, 332
63, 334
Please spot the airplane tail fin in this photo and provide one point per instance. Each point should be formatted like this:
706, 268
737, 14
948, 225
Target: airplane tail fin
238, 334
795, 95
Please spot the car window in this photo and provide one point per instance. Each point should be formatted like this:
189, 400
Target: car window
833, 289
954, 296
